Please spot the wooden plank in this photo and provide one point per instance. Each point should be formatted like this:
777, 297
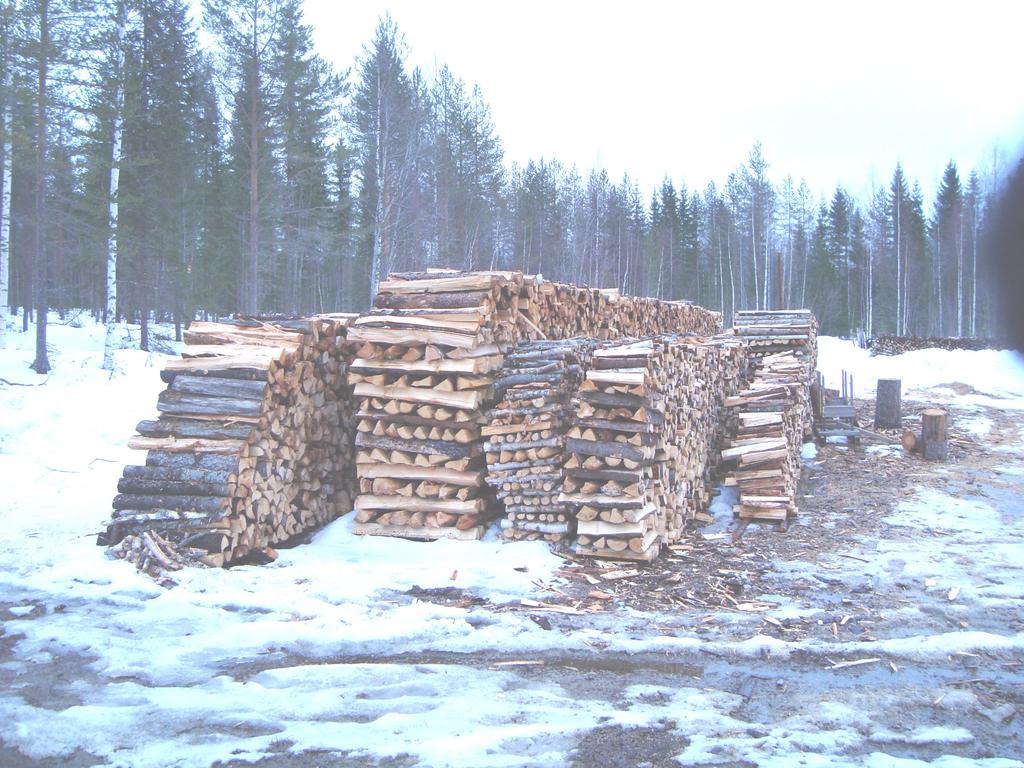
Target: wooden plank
601, 528
409, 321
412, 336
445, 365
428, 534
761, 445
414, 504
409, 472
469, 282
468, 400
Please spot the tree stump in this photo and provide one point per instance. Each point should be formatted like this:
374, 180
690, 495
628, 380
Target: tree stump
887, 404
933, 434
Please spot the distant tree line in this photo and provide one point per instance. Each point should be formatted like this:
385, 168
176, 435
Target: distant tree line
144, 178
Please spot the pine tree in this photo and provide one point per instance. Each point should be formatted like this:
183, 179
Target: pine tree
878, 236
898, 207
839, 252
246, 29
53, 39
970, 226
7, 20
948, 252
303, 112
385, 137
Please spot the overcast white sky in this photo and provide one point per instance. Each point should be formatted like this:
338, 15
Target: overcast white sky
836, 92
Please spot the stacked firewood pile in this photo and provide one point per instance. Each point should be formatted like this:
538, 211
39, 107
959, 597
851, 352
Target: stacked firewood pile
897, 345
642, 448
525, 435
766, 332
252, 444
425, 373
773, 414
559, 311
713, 371
422, 378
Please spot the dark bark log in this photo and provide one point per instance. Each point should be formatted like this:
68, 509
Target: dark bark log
217, 387
615, 399
436, 447
618, 475
511, 466
616, 426
207, 505
615, 363
550, 395
539, 510
604, 450
244, 374
545, 477
176, 403
176, 474
213, 430
169, 523
453, 300
207, 461
128, 485
543, 356
553, 442
502, 384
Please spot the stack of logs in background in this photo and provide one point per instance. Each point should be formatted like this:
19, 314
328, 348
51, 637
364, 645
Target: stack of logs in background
525, 435
252, 446
897, 345
773, 413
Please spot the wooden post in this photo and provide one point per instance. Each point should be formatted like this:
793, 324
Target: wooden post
933, 434
887, 404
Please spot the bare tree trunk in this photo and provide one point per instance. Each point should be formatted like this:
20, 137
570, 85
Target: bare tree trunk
974, 273
112, 211
379, 209
960, 277
938, 280
5, 195
42, 361
251, 302
732, 277
899, 271
871, 295
753, 255
721, 271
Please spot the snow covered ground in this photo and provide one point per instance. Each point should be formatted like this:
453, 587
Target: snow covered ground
986, 377
329, 656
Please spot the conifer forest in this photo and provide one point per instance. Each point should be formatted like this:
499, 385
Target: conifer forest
161, 167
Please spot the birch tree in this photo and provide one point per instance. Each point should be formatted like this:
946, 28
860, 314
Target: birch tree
41, 364
115, 178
